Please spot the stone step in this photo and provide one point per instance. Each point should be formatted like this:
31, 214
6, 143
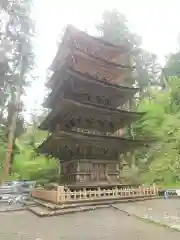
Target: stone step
28, 202
44, 209
44, 212
54, 206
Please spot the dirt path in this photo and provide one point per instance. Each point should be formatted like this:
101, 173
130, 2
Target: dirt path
103, 224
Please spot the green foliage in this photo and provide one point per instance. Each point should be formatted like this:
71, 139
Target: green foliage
161, 161
17, 39
16, 35
114, 28
27, 164
3, 148
162, 122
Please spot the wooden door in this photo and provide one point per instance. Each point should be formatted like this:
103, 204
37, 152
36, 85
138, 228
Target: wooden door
98, 171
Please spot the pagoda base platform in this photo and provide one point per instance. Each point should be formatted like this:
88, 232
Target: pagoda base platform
47, 209
66, 199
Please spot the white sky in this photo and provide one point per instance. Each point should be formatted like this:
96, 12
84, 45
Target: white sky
157, 21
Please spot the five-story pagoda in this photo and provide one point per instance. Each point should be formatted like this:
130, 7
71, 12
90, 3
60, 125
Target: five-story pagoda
87, 93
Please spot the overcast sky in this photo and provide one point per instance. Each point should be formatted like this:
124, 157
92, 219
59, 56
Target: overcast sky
157, 21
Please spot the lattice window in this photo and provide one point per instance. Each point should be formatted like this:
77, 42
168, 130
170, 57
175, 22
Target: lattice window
103, 100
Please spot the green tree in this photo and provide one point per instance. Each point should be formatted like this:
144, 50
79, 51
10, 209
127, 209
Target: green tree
162, 160
114, 28
28, 164
18, 30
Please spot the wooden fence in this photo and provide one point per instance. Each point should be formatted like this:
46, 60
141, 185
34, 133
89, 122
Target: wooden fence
60, 195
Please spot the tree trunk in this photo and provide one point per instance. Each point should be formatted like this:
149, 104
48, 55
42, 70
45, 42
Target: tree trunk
13, 125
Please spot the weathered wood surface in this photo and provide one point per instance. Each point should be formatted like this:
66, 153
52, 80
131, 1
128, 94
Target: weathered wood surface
95, 141
88, 116
71, 83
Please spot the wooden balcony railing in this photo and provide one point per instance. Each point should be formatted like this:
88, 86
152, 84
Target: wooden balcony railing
60, 195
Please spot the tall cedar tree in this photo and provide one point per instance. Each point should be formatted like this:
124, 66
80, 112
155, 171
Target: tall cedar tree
17, 31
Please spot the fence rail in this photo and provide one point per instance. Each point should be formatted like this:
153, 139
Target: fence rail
62, 195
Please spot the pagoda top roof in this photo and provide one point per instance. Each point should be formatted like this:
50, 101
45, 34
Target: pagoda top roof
75, 31
73, 35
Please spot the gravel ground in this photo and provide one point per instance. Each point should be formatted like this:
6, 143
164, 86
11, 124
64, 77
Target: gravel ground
166, 212
9, 207
103, 224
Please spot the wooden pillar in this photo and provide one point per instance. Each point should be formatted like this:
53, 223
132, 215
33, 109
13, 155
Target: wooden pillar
60, 194
77, 171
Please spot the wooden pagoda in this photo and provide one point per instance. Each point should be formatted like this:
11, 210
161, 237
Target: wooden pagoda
88, 91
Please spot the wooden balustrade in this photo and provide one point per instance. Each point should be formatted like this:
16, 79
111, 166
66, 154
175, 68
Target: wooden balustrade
64, 196
46, 195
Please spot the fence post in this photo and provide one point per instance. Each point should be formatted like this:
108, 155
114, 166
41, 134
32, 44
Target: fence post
60, 194
155, 190
144, 191
116, 192
99, 192
80, 194
84, 193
